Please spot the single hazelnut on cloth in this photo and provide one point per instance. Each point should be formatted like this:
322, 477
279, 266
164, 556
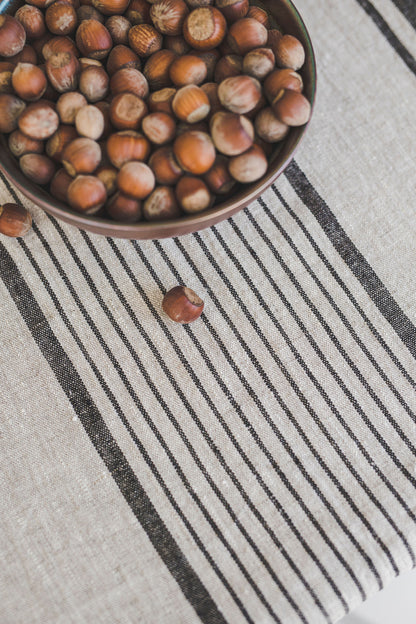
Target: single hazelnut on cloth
182, 305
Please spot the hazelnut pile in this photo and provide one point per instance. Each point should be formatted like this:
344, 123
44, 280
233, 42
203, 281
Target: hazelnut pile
143, 109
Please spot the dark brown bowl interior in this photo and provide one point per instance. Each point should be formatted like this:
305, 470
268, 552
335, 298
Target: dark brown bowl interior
289, 19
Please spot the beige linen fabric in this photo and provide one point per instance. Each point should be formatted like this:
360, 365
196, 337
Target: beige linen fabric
259, 464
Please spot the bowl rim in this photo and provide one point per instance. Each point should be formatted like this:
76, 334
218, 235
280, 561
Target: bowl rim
184, 224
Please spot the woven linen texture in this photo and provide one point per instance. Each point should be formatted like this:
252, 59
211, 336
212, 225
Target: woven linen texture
255, 466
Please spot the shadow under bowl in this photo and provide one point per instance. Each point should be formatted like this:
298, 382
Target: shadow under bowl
288, 18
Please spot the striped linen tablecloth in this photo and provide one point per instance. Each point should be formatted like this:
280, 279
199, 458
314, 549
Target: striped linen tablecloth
258, 465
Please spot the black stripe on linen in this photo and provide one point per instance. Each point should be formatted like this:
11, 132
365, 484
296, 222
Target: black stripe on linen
272, 424
322, 288
340, 283
323, 393
333, 372
200, 425
353, 257
408, 8
264, 305
327, 295
238, 409
106, 446
393, 40
138, 403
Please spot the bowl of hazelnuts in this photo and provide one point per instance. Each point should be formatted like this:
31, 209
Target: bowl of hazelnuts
151, 118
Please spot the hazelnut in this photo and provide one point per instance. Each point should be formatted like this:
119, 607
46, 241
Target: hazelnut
6, 70
145, 39
161, 101
291, 108
20, 144
195, 4
138, 12
157, 69
164, 166
57, 45
38, 121
190, 104
104, 107
122, 56
161, 205
218, 178
59, 140
201, 126
193, 194
11, 108
195, 152
125, 209
159, 128
85, 62
273, 37
177, 44
269, 128
247, 34
182, 305
233, 10
93, 39
12, 36
15, 221
37, 167
130, 80
210, 58
232, 134
186, 70
239, 94
32, 21
289, 52
259, 62
63, 70
29, 81
136, 179
61, 18
89, 122
81, 156
204, 28
282, 79
118, 27
228, 66
125, 146
108, 176
60, 184
127, 111
68, 105
86, 12
86, 194
260, 15
168, 16
93, 83
250, 166
111, 7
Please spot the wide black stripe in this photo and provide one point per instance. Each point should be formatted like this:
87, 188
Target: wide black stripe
353, 257
345, 425
393, 40
341, 284
265, 306
325, 396
141, 366
408, 8
254, 395
104, 443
